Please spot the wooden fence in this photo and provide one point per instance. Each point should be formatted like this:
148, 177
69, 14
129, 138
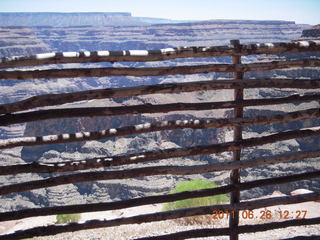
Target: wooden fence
12, 113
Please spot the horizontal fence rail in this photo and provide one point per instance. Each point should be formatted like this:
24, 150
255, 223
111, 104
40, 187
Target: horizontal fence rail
149, 156
25, 110
206, 232
249, 205
42, 167
150, 127
159, 55
313, 237
156, 71
146, 108
82, 208
55, 99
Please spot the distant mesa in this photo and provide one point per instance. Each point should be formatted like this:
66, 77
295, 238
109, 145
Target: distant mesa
94, 19
311, 33
56, 19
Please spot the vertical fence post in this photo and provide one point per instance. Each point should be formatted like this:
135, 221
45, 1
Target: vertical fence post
238, 112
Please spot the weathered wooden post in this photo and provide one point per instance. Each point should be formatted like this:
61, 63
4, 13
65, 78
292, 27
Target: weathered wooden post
237, 135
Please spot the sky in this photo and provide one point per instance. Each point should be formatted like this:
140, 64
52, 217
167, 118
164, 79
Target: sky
300, 11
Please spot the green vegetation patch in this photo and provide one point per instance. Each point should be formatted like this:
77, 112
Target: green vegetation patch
67, 218
195, 202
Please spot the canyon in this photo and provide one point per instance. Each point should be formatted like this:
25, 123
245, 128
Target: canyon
72, 35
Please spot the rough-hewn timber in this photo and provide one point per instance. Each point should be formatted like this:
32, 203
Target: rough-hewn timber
207, 232
237, 135
152, 127
55, 99
158, 71
312, 237
146, 108
249, 205
40, 167
82, 208
158, 55
236, 50
154, 155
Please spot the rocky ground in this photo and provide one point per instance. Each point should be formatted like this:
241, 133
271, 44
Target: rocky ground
149, 229
164, 227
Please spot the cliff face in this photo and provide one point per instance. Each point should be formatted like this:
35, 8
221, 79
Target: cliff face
206, 33
20, 41
91, 38
16, 41
68, 19
312, 33
78, 19
32, 40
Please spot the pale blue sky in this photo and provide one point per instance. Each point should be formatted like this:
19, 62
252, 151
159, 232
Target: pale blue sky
301, 11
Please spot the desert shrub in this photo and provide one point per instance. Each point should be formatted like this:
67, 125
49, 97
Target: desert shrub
195, 202
67, 218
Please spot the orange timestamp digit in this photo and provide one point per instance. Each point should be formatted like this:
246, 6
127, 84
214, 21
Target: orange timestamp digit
263, 214
244, 214
299, 214
220, 214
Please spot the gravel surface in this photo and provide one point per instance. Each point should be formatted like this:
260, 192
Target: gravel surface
149, 229
312, 210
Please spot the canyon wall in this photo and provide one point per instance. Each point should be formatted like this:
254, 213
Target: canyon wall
28, 40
